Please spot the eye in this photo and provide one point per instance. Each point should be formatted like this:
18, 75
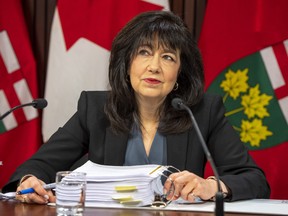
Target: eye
143, 51
169, 57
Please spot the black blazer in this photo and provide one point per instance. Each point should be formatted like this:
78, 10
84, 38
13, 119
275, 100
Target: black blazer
88, 131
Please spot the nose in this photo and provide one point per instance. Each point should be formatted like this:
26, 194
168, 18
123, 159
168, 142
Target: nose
154, 64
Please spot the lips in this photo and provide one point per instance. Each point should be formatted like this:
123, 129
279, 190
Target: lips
152, 81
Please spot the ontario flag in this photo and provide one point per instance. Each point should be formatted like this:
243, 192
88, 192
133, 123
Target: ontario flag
81, 38
244, 44
20, 130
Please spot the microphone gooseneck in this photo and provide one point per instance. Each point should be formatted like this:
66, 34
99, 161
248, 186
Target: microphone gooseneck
39, 103
178, 104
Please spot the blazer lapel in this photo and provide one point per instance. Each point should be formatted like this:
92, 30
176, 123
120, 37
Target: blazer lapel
177, 149
115, 148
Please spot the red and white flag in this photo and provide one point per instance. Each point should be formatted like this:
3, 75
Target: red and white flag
81, 37
20, 130
244, 44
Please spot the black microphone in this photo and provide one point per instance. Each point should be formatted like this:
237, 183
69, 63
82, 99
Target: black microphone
39, 103
178, 104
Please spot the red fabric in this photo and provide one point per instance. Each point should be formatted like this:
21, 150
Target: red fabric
109, 16
235, 29
20, 143
274, 163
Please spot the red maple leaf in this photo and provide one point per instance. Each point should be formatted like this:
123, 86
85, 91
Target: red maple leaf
98, 21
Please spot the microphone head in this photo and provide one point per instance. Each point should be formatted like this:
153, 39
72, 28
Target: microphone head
39, 103
177, 103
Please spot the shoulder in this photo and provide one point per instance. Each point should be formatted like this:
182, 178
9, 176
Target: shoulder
95, 95
93, 98
207, 102
92, 102
209, 110
91, 106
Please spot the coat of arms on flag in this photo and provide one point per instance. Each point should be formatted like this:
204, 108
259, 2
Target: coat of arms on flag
256, 97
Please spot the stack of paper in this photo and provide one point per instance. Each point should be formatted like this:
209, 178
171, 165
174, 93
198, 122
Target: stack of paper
121, 185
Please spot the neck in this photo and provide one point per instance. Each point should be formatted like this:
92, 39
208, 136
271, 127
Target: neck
149, 117
149, 109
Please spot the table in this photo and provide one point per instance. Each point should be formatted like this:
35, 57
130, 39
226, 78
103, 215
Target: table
16, 208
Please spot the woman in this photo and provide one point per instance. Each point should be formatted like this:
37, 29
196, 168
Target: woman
153, 60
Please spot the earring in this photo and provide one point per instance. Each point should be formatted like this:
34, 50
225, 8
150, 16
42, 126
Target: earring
175, 87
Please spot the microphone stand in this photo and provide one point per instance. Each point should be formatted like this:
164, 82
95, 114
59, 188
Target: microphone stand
219, 199
15, 108
37, 104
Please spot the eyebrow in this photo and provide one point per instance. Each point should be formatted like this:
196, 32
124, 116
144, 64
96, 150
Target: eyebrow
165, 49
170, 51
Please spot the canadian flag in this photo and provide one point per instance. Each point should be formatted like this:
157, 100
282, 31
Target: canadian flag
20, 130
81, 37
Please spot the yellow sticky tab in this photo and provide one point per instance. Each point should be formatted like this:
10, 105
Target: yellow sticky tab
131, 202
122, 198
125, 188
155, 169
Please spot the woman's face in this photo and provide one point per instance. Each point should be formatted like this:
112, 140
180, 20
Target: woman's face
153, 72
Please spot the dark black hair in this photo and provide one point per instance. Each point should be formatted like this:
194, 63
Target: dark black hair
171, 32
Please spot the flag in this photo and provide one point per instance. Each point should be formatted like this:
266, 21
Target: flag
80, 43
20, 130
244, 44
